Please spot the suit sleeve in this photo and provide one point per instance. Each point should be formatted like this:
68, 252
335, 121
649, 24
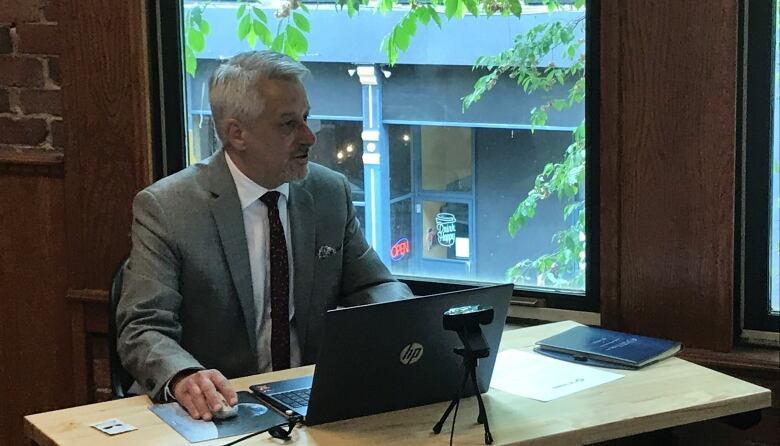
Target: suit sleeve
148, 312
365, 279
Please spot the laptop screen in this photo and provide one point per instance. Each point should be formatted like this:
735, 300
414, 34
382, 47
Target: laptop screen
394, 355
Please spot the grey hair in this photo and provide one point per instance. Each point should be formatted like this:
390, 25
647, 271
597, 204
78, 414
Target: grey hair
235, 87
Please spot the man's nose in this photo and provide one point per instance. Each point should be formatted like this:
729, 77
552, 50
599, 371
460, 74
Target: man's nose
308, 136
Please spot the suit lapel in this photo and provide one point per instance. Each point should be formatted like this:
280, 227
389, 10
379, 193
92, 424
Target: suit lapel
226, 209
302, 231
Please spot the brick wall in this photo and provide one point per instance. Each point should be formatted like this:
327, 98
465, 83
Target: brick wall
30, 95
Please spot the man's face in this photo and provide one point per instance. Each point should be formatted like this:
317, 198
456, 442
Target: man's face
276, 145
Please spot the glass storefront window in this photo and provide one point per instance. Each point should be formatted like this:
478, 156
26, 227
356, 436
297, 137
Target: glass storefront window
441, 189
339, 147
400, 142
446, 234
403, 245
446, 158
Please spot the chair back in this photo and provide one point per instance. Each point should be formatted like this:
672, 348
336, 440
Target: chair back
120, 379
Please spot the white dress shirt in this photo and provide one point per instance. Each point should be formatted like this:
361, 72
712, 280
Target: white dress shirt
257, 236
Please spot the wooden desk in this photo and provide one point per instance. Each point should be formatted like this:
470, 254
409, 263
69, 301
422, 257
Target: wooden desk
670, 393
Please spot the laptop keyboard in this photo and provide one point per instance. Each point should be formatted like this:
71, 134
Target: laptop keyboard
294, 398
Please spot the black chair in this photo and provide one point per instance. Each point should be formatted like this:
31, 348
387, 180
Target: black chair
120, 379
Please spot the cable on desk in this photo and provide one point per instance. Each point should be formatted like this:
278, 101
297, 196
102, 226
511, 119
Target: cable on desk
277, 432
243, 438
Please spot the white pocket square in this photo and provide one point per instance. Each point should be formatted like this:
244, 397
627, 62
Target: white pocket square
326, 251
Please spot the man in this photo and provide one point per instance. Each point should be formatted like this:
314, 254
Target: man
236, 259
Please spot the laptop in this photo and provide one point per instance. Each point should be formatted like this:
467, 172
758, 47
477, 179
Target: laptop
388, 356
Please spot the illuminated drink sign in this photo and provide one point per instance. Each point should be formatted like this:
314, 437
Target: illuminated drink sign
400, 249
445, 229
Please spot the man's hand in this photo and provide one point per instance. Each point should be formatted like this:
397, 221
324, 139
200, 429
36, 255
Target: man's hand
203, 392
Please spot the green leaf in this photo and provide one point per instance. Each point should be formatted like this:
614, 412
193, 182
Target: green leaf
559, 104
385, 6
290, 50
461, 11
388, 44
190, 62
301, 21
196, 15
241, 10
251, 39
565, 35
204, 27
304, 7
409, 24
424, 14
278, 43
568, 209
352, 7
434, 15
260, 14
579, 132
579, 3
196, 41
262, 33
471, 5
515, 7
243, 27
401, 38
451, 8
297, 40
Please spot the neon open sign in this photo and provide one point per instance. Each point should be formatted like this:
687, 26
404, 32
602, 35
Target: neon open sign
400, 249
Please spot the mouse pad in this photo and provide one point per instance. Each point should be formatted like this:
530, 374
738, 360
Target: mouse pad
253, 416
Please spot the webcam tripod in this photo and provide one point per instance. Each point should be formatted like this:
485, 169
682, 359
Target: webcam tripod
470, 362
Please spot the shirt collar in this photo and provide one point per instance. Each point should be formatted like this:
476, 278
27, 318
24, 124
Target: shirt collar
249, 191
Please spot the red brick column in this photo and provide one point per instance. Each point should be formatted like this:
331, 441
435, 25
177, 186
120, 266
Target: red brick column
30, 95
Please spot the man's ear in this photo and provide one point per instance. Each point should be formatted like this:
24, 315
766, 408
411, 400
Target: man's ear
234, 134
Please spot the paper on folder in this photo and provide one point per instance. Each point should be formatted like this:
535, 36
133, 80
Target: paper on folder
541, 378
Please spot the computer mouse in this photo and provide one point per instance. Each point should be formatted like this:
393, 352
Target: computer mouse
227, 411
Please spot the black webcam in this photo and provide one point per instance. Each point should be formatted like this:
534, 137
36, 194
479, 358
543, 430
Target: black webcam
468, 315
465, 321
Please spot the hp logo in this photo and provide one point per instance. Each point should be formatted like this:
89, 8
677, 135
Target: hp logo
411, 353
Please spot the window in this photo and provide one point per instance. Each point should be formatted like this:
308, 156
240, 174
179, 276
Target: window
774, 240
466, 156
760, 227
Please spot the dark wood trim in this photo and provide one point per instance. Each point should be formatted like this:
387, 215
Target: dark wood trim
34, 158
80, 357
88, 296
35, 352
96, 318
667, 150
740, 357
36, 164
108, 155
609, 181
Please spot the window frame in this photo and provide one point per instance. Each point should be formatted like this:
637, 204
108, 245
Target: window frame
167, 81
754, 164
169, 150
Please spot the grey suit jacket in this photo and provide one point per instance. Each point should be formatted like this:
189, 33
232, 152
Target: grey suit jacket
187, 298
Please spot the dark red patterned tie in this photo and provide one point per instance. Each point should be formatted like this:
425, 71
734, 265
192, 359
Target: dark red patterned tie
280, 285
